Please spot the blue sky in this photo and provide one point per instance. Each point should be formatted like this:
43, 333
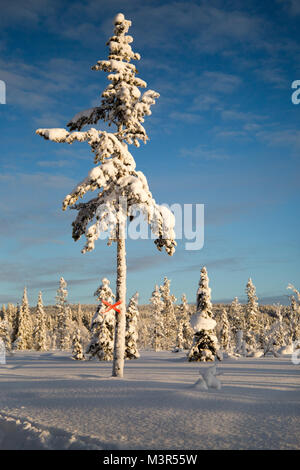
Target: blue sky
224, 133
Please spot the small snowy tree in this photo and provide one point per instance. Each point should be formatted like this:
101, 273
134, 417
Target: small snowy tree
158, 326
77, 350
15, 325
102, 325
294, 315
184, 330
240, 344
236, 319
77, 315
11, 313
225, 332
168, 314
87, 319
274, 336
252, 324
132, 314
143, 334
24, 325
5, 329
82, 322
179, 338
63, 316
40, 334
294, 320
280, 330
203, 302
236, 316
122, 188
205, 343
5, 333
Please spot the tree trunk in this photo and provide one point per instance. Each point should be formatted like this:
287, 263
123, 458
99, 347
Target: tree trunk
119, 345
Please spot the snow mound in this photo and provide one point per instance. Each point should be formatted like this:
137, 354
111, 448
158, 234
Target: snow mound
289, 349
201, 384
208, 379
256, 354
16, 434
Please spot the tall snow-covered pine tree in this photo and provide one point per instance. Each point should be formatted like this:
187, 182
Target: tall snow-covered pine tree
122, 188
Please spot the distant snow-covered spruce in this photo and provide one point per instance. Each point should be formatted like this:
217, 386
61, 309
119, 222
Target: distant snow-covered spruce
40, 331
168, 314
103, 325
184, 329
252, 327
236, 316
5, 333
63, 325
77, 315
225, 332
24, 328
131, 337
205, 345
294, 315
157, 330
122, 188
77, 350
274, 336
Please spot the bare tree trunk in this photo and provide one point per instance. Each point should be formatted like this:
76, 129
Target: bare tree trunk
119, 345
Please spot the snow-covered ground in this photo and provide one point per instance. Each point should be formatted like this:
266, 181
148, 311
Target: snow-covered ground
49, 401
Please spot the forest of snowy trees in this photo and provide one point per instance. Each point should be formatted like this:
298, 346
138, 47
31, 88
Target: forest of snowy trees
206, 331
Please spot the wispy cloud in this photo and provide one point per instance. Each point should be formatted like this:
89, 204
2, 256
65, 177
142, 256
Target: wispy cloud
29, 13
237, 115
185, 117
291, 6
54, 163
201, 152
284, 137
230, 263
38, 86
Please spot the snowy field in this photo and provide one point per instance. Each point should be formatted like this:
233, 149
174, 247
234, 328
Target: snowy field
49, 401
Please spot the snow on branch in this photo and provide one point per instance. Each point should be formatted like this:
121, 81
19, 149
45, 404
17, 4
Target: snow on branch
103, 144
119, 201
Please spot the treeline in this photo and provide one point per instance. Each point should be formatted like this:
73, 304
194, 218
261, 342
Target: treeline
163, 324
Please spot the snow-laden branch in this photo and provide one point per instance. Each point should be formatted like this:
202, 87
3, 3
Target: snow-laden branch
130, 194
103, 144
